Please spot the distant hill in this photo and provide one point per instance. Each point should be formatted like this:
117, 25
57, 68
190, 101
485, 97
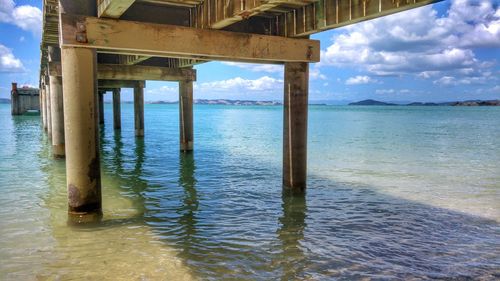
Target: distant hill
454, 103
2, 100
236, 102
371, 102
476, 103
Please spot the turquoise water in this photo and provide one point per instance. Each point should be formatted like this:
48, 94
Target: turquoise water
393, 193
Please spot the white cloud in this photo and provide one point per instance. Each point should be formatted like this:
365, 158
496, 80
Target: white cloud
315, 74
470, 77
269, 68
238, 84
418, 41
26, 17
163, 90
358, 80
393, 92
8, 62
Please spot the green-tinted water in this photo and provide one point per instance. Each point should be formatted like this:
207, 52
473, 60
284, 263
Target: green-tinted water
393, 192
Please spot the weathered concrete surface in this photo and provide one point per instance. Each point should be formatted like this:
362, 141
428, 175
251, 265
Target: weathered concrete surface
117, 115
295, 126
57, 111
186, 115
83, 174
139, 111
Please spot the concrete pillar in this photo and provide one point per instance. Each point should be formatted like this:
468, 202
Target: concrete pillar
56, 107
295, 126
139, 110
44, 106
83, 173
117, 121
49, 108
186, 115
101, 107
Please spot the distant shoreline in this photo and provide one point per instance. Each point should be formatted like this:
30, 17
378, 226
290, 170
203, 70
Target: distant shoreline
371, 102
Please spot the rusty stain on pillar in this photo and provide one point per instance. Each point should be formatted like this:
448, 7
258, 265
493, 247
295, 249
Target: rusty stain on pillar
83, 174
56, 106
186, 115
295, 126
117, 121
101, 106
139, 110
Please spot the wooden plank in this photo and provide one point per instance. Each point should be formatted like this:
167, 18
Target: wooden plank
139, 72
113, 8
226, 15
329, 14
111, 84
127, 37
134, 72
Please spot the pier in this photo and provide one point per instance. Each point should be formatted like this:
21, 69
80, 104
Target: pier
24, 99
90, 48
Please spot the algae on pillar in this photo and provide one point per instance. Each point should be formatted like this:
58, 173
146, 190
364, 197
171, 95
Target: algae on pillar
83, 174
139, 109
186, 115
295, 125
117, 122
56, 107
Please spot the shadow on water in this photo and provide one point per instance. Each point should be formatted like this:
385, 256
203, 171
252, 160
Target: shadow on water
227, 222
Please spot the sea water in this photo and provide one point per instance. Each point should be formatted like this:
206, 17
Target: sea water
393, 193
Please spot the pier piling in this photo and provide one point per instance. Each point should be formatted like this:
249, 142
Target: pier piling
117, 121
49, 108
186, 115
56, 107
139, 109
295, 125
101, 106
79, 71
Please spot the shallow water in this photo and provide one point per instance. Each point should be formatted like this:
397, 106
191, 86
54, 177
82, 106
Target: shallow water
393, 193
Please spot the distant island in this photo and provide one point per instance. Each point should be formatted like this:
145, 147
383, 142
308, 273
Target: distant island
2, 100
453, 103
223, 102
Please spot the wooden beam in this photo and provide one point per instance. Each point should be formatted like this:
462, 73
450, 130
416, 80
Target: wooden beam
139, 72
111, 84
134, 72
130, 60
218, 14
329, 14
113, 8
127, 37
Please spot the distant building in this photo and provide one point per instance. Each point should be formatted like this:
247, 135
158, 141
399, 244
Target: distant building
24, 99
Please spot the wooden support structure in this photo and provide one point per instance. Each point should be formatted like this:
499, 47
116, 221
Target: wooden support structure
129, 75
139, 110
113, 8
161, 40
83, 173
117, 118
111, 84
295, 126
56, 105
127, 37
101, 105
186, 115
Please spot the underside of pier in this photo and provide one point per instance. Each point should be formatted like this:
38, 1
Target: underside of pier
92, 47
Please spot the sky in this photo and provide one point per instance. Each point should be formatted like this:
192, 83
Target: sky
443, 52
